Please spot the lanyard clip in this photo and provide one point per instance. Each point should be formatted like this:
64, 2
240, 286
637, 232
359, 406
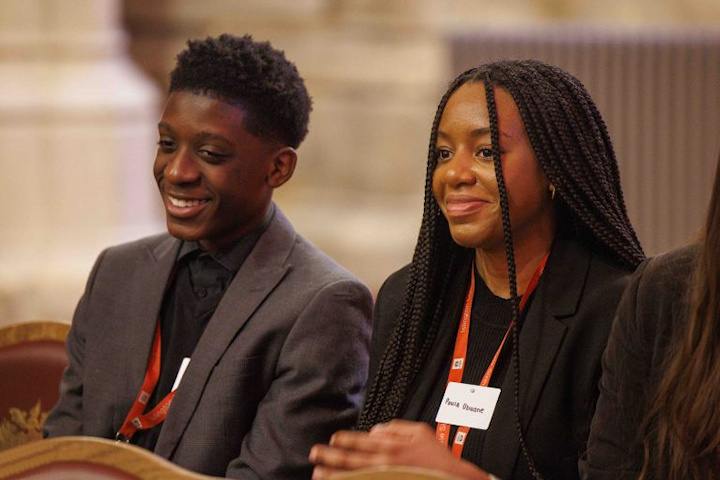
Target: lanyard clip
119, 437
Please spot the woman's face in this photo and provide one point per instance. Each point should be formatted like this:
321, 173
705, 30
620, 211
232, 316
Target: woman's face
464, 181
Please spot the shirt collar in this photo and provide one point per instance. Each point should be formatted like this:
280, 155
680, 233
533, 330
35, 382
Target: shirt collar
233, 257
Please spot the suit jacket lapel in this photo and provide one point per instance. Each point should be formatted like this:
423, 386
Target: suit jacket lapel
541, 336
152, 273
259, 275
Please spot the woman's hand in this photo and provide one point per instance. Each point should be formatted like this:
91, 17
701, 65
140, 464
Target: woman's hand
397, 443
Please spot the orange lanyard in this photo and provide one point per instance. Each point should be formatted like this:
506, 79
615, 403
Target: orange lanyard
135, 419
460, 353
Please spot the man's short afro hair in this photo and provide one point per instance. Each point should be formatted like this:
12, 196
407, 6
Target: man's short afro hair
253, 75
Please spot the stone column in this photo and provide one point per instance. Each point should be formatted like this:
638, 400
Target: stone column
77, 134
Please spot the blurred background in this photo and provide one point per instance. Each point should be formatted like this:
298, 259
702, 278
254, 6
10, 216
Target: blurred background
82, 84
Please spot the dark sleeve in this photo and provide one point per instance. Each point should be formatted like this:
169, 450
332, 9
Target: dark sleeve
66, 418
615, 448
318, 389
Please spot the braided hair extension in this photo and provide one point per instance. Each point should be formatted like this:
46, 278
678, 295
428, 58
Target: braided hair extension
512, 272
572, 145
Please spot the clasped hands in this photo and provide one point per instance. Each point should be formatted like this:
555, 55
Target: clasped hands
396, 443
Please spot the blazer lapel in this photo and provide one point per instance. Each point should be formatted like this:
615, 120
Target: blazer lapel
152, 273
541, 336
257, 278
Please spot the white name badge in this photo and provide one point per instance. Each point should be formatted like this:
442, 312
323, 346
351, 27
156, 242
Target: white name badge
468, 405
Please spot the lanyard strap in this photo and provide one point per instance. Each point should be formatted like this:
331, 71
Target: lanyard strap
460, 352
135, 419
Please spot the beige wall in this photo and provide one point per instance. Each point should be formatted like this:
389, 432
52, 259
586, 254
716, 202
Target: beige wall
375, 69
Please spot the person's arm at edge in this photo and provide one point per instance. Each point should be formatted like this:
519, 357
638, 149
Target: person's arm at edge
625, 363
66, 417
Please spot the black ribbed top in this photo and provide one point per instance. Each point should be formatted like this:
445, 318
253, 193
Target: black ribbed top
489, 321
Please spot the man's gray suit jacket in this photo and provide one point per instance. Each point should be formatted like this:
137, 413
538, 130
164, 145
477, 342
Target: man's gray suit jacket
281, 365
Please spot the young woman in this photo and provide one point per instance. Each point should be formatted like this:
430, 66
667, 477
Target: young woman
658, 416
524, 251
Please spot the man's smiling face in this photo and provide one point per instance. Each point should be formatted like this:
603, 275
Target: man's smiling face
212, 173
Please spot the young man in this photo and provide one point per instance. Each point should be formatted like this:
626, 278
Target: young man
230, 345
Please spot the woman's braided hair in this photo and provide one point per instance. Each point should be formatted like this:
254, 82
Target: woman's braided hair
572, 145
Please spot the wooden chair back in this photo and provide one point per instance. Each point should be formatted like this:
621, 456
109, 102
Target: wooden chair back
87, 458
32, 359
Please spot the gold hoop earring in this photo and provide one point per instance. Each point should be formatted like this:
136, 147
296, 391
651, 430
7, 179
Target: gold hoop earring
552, 191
